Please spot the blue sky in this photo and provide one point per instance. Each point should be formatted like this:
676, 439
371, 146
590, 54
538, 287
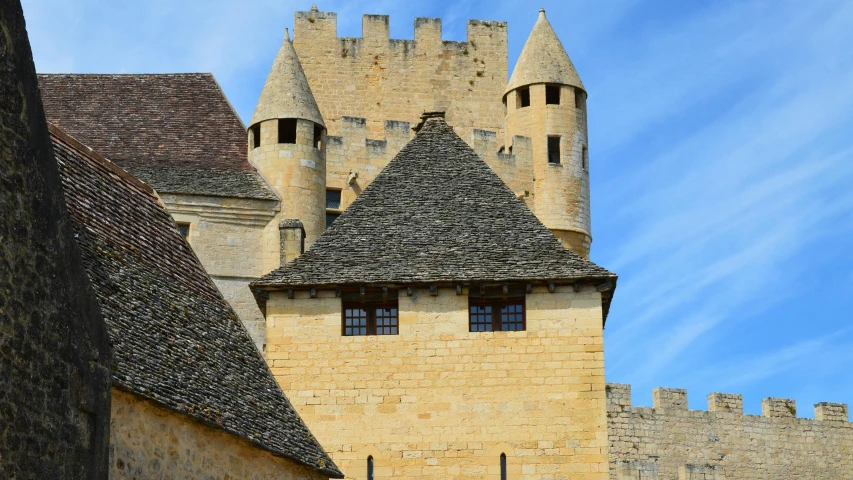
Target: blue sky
721, 153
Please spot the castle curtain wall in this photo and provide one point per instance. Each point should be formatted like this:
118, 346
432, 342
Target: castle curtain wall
437, 401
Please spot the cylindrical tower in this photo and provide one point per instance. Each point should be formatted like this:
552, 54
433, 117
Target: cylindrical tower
546, 101
287, 143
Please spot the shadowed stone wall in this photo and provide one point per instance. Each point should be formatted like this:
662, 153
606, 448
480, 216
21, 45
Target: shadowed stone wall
54, 386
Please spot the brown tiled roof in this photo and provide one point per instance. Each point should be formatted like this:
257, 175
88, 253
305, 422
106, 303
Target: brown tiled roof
176, 341
161, 123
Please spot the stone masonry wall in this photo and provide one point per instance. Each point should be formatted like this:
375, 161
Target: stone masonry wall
439, 402
379, 79
147, 441
669, 441
54, 351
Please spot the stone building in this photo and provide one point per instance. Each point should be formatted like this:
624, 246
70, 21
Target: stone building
191, 395
425, 299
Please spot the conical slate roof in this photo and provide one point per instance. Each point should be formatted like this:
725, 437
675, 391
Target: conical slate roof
436, 214
286, 93
543, 60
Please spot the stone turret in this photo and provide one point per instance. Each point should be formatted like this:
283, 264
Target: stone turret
287, 143
546, 101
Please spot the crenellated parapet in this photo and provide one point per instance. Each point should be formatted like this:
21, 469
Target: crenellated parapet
375, 77
668, 440
514, 165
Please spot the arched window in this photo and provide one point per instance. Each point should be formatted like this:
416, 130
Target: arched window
503, 466
370, 468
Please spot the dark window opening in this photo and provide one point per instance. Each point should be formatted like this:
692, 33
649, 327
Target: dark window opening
552, 95
330, 218
503, 466
375, 314
495, 312
318, 137
504, 105
287, 130
580, 99
554, 150
333, 199
523, 97
370, 468
585, 158
256, 135
184, 228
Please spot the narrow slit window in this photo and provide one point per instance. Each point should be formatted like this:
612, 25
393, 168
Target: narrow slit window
504, 105
370, 468
585, 158
256, 136
523, 97
552, 95
554, 150
580, 99
287, 130
318, 137
503, 466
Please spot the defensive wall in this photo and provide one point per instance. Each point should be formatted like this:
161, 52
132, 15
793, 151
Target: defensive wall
378, 78
668, 441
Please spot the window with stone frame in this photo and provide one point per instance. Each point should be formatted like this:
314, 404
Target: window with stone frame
523, 97
369, 312
287, 130
256, 135
497, 309
552, 94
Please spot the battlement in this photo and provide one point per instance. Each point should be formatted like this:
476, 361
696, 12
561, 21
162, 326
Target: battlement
672, 400
375, 30
513, 163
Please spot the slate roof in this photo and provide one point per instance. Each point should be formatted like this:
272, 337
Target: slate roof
176, 341
164, 123
543, 60
436, 214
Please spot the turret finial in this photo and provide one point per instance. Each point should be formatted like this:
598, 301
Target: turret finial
287, 34
542, 12
314, 8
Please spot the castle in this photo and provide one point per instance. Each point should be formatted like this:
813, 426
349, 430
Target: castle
405, 236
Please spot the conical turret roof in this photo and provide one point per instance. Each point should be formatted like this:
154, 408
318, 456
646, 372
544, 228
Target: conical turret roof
286, 93
543, 60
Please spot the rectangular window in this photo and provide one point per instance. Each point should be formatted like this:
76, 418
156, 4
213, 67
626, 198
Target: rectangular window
523, 97
287, 130
585, 158
552, 95
318, 137
496, 314
554, 150
333, 199
184, 228
580, 99
256, 135
330, 218
376, 314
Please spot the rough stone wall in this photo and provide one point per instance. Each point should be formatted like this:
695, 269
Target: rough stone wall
669, 441
237, 242
515, 169
379, 79
440, 402
147, 441
54, 353
561, 191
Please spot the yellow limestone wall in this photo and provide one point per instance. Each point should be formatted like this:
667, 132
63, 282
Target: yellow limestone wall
147, 441
439, 402
379, 79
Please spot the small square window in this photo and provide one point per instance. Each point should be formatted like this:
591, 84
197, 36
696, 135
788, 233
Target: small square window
552, 95
287, 130
318, 137
523, 97
377, 315
554, 150
184, 228
330, 218
496, 314
580, 99
333, 199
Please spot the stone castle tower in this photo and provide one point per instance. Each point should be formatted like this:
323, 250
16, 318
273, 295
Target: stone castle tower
287, 143
367, 87
546, 102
